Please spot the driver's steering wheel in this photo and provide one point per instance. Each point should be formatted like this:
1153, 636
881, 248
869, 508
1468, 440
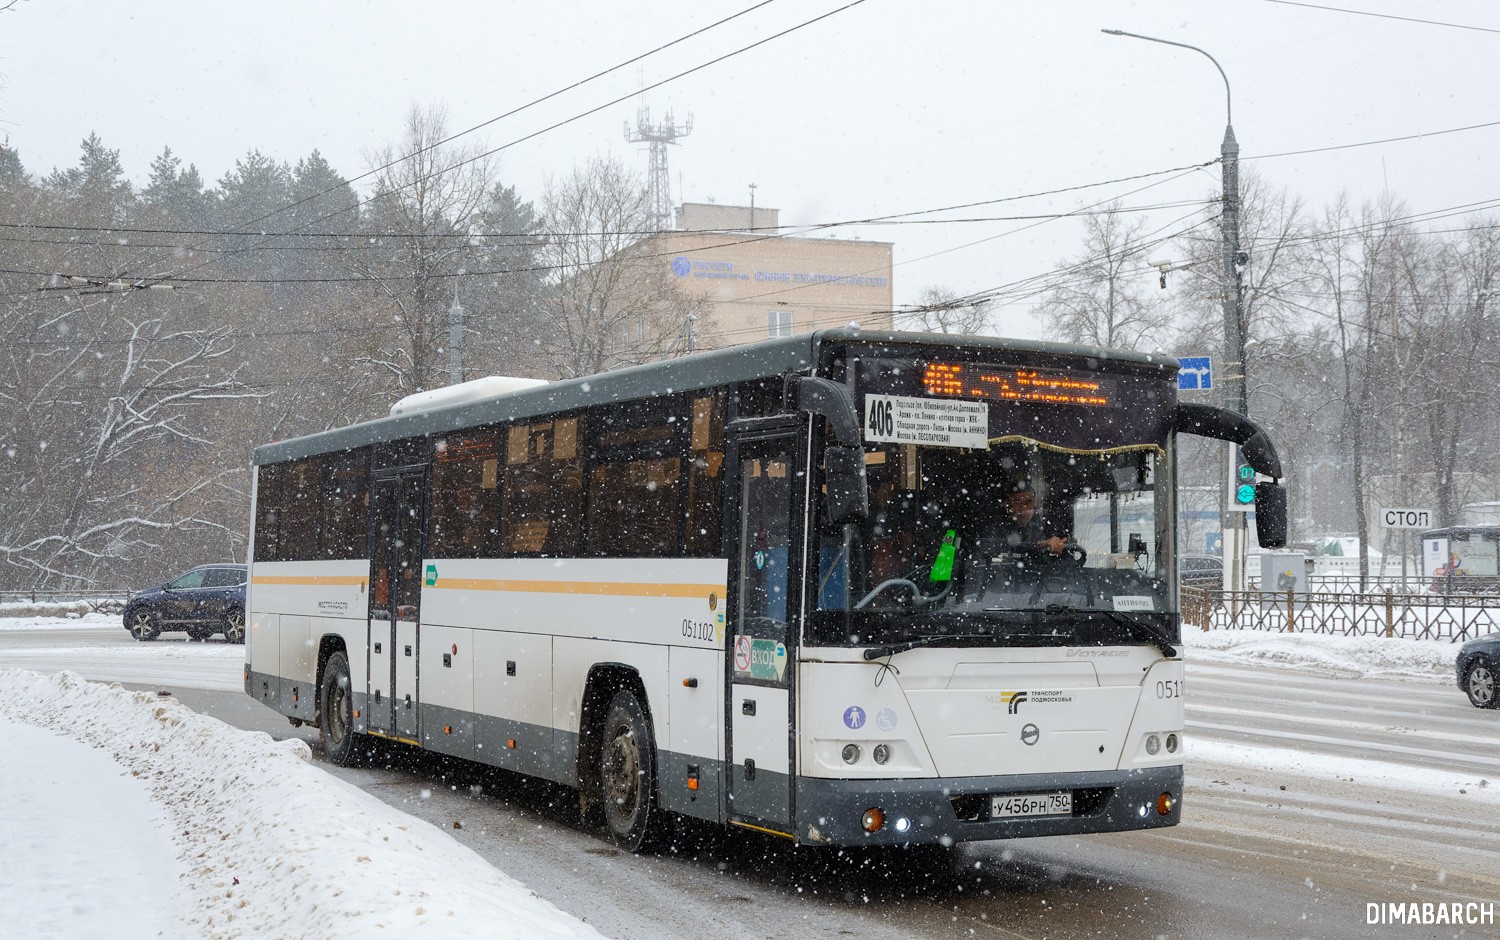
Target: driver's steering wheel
1075, 553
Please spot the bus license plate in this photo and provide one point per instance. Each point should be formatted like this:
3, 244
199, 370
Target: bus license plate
1032, 804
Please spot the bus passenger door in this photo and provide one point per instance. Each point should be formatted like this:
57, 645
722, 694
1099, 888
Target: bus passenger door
395, 596
765, 565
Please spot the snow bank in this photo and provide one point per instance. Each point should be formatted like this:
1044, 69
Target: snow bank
110, 606
1329, 767
273, 846
49, 615
1324, 654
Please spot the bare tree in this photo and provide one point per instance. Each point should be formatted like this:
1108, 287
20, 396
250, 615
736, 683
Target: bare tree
110, 447
1104, 298
427, 197
611, 303
941, 310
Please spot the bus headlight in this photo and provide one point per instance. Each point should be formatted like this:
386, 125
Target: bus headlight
851, 753
1153, 744
882, 753
873, 819
1171, 744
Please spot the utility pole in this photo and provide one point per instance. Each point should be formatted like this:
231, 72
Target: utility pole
1236, 394
455, 341
752, 207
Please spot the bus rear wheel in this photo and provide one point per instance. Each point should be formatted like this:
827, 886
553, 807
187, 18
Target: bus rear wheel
343, 745
627, 775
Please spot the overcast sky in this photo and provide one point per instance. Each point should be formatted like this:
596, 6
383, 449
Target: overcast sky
889, 106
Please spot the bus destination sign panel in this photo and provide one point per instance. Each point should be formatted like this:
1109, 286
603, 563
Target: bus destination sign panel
899, 419
1042, 386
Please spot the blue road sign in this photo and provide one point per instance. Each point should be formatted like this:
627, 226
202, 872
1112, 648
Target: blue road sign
1196, 374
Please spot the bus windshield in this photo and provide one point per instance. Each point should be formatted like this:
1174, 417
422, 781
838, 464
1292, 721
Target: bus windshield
1023, 539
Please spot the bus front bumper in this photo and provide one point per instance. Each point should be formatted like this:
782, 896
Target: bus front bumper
958, 809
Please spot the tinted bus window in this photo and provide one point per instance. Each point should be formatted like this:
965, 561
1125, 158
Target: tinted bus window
464, 510
346, 510
301, 504
703, 529
268, 512
542, 489
635, 477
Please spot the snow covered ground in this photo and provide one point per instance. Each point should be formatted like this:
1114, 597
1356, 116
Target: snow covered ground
232, 833
87, 852
1323, 654
96, 646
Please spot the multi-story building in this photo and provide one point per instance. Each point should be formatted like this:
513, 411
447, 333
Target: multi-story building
762, 283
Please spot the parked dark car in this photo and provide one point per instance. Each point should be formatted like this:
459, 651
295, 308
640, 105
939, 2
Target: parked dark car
1200, 571
207, 600
1478, 667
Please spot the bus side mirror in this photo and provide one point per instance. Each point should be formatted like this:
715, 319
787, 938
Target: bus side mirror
1270, 515
848, 498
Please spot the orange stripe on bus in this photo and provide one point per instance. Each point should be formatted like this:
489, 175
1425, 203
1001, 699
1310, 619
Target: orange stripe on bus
611, 588
319, 580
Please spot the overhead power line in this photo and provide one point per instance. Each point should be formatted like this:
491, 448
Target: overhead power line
356, 241
1383, 16
511, 113
1372, 143
579, 116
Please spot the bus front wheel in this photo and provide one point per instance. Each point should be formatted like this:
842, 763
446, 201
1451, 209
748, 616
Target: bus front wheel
627, 775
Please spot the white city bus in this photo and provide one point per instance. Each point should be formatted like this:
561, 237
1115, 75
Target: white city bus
845, 587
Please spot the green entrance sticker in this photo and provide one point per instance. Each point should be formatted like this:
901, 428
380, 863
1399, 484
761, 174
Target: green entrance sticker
767, 659
430, 579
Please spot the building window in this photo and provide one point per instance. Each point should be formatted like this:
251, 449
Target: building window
778, 323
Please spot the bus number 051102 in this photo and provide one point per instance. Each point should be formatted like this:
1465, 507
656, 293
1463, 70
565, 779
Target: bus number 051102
1170, 688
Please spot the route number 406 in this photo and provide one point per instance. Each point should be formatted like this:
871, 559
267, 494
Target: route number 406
881, 423
1170, 688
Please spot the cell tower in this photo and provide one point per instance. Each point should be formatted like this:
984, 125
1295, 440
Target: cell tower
658, 182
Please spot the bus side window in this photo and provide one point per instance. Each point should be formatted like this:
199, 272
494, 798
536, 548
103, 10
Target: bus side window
345, 512
635, 478
302, 499
268, 512
703, 535
464, 514
543, 489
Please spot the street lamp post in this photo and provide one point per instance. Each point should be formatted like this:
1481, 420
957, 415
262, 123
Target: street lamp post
1236, 396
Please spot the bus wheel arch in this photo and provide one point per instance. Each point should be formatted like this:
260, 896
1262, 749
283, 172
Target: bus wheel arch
330, 643
610, 688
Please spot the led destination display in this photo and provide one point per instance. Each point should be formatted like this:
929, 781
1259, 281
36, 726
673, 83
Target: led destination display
1044, 386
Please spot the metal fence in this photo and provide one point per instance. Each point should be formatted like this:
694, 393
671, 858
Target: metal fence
1452, 617
103, 601
1411, 584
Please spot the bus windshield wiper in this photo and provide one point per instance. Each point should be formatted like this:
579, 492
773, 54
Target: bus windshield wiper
881, 652
1141, 628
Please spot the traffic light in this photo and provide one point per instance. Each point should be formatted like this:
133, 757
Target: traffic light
1241, 483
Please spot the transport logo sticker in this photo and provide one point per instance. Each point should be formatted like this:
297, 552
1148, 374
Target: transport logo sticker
430, 579
1013, 701
885, 719
854, 717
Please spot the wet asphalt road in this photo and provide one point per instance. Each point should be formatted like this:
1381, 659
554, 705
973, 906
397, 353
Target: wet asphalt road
1266, 849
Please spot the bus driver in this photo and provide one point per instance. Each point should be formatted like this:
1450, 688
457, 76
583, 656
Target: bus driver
1021, 527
